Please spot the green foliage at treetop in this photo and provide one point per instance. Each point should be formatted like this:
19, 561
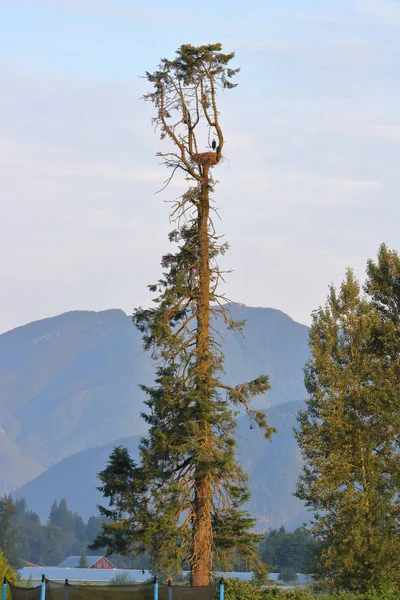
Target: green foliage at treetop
349, 431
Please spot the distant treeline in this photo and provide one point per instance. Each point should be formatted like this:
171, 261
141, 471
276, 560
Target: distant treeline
23, 538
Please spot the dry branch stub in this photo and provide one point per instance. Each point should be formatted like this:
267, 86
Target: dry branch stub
205, 159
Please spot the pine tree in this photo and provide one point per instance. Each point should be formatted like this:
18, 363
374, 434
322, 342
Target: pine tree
347, 434
187, 496
9, 530
83, 560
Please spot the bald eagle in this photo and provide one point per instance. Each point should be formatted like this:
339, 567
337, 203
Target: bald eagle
214, 145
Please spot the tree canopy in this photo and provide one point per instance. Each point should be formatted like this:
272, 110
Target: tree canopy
65, 533
349, 431
9, 542
288, 549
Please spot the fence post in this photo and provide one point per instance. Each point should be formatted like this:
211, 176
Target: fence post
43, 588
221, 589
169, 590
66, 589
155, 589
4, 589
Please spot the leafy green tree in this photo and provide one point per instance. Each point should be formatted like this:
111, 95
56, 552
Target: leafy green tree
6, 570
60, 516
383, 286
64, 534
69, 522
53, 545
188, 493
349, 438
30, 533
294, 549
9, 543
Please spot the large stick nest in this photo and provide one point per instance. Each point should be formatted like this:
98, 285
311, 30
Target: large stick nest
205, 159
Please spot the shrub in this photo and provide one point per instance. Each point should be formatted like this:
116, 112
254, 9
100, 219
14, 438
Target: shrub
121, 579
6, 570
235, 589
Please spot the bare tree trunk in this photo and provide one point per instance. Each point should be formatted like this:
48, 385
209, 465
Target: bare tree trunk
202, 538
202, 526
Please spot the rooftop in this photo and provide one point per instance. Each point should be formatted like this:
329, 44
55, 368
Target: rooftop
74, 574
104, 576
73, 561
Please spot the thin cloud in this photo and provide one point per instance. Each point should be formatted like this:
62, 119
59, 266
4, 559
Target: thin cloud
388, 132
382, 12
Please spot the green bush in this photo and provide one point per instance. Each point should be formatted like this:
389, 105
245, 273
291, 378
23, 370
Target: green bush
235, 589
6, 570
121, 579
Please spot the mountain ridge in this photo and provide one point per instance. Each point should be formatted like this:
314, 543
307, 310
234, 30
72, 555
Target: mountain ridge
120, 310
272, 467
70, 382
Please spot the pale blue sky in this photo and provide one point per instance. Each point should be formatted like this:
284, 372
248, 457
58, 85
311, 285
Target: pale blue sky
310, 184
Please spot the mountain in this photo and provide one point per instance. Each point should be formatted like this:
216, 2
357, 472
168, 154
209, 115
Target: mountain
70, 383
272, 467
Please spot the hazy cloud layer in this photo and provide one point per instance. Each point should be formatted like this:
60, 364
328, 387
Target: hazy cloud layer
310, 184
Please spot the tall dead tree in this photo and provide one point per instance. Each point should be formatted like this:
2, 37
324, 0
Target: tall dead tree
187, 496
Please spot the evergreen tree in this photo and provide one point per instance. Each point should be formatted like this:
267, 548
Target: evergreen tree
349, 435
9, 543
61, 516
54, 549
69, 522
294, 549
186, 497
94, 527
83, 561
123, 485
30, 534
65, 533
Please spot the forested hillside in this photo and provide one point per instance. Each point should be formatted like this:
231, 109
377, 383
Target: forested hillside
25, 538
